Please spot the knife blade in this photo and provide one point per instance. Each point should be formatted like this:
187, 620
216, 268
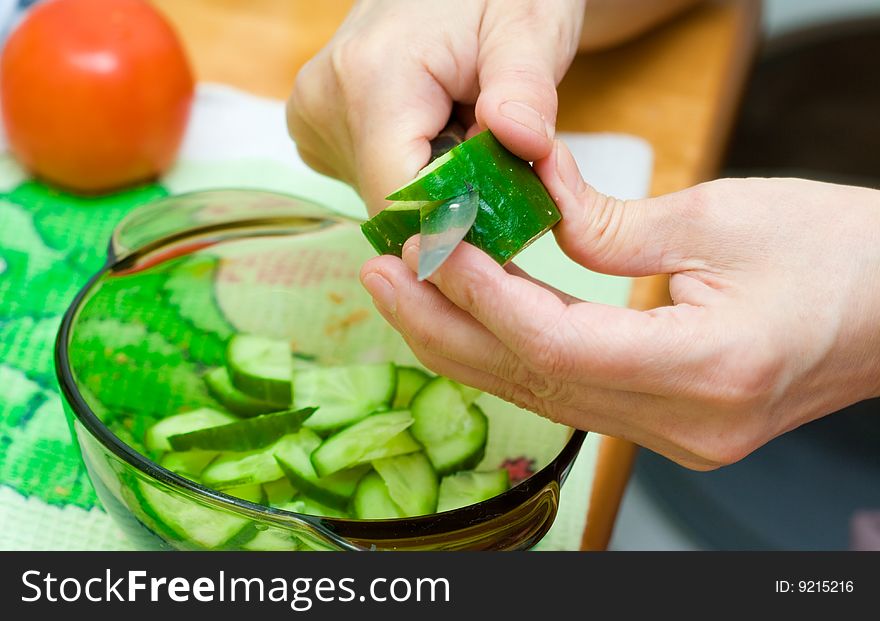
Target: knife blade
443, 226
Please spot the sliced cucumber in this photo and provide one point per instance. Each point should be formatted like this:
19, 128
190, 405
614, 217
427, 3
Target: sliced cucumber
343, 395
260, 367
412, 482
334, 490
253, 467
274, 540
468, 488
515, 208
453, 433
349, 446
206, 527
311, 507
409, 381
280, 491
221, 387
372, 501
242, 435
156, 438
401, 444
469, 393
189, 464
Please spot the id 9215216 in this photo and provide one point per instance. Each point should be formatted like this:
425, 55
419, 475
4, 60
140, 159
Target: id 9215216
815, 586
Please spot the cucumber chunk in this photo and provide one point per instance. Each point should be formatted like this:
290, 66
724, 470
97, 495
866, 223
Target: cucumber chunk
311, 507
206, 527
260, 367
221, 388
469, 393
453, 433
409, 381
156, 438
242, 435
351, 445
401, 444
252, 467
189, 464
343, 395
274, 540
412, 482
372, 501
334, 490
468, 488
515, 208
279, 491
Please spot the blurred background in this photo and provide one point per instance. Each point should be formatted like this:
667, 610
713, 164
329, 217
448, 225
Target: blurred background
811, 109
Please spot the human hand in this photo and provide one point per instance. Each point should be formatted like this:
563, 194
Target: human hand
775, 321
365, 108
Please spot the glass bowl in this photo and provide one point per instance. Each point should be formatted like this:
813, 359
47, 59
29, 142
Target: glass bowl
185, 273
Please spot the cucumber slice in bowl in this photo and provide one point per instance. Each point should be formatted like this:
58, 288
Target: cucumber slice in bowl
204, 526
221, 388
468, 488
279, 491
308, 506
189, 464
156, 438
273, 540
242, 435
409, 381
252, 467
261, 368
453, 433
411, 481
401, 444
372, 501
345, 394
334, 490
353, 444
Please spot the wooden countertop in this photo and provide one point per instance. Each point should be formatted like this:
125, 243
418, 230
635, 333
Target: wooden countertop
677, 87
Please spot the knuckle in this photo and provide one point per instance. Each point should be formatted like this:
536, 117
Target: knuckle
700, 200
304, 87
544, 357
746, 379
709, 451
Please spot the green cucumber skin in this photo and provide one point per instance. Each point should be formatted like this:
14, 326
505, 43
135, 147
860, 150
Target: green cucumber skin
503, 227
234, 400
156, 437
388, 230
323, 491
243, 435
271, 390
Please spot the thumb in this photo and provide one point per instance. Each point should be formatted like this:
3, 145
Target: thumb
519, 65
622, 237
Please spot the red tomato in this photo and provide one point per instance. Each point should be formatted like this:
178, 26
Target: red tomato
95, 94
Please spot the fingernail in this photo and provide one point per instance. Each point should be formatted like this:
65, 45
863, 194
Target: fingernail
567, 169
411, 253
528, 117
382, 291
